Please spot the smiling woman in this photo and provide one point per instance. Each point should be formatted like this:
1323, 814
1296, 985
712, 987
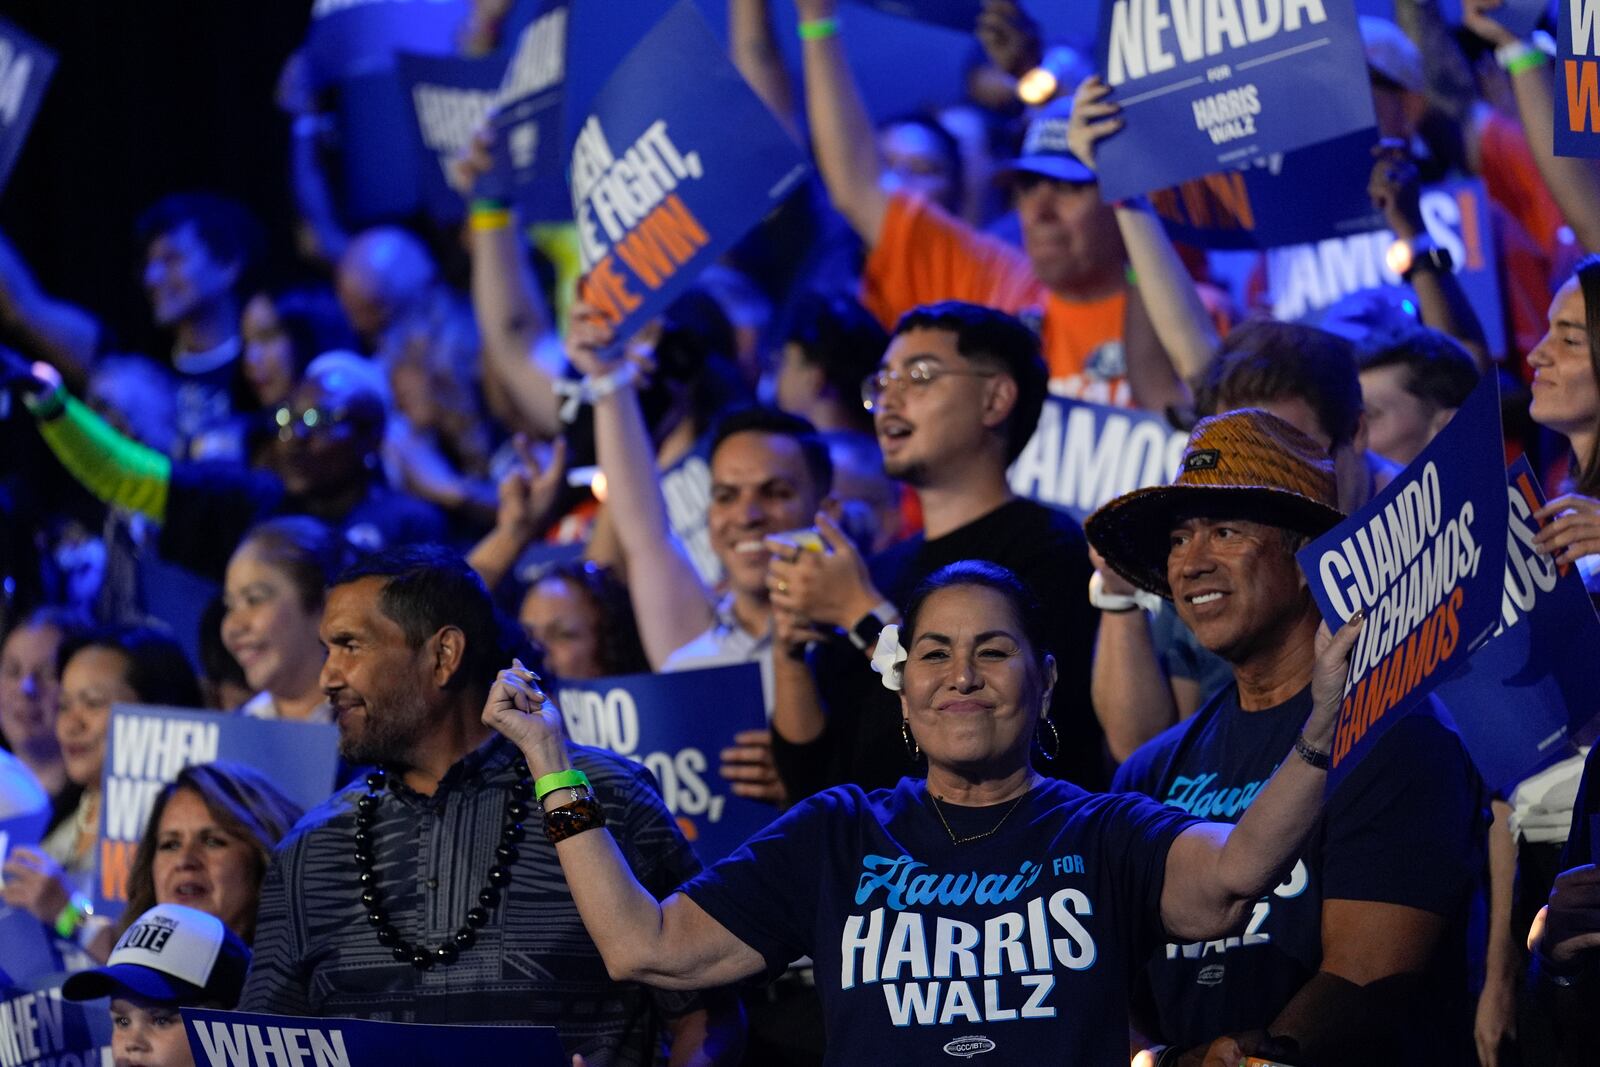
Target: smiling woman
1566, 399
1024, 944
273, 606
206, 846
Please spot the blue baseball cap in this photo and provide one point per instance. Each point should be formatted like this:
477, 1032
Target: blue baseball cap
172, 954
1044, 147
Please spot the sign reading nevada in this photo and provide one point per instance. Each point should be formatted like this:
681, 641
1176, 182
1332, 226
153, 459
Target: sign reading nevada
1212, 85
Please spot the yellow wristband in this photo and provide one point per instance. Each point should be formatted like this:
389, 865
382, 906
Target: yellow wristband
496, 218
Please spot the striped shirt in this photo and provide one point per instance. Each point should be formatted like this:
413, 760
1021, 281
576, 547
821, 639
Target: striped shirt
316, 955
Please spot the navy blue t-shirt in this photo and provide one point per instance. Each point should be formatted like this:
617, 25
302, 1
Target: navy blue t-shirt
1023, 943
1405, 828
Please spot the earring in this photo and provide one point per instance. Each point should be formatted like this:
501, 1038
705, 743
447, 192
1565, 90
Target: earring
1053, 749
913, 753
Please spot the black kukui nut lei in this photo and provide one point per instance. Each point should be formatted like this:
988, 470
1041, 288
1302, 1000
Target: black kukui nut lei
505, 854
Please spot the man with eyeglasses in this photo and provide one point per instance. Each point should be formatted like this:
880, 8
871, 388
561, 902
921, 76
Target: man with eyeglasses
325, 463
954, 401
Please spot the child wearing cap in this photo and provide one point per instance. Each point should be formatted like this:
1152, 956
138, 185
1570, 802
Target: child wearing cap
171, 957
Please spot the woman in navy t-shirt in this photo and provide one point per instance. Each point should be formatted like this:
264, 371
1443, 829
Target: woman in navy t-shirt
983, 909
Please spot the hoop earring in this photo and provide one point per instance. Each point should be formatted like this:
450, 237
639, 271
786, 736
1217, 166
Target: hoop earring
1051, 751
913, 753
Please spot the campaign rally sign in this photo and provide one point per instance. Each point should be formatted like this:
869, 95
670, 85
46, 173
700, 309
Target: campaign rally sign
1521, 17
529, 108
1425, 559
348, 38
1083, 455
956, 14
1522, 697
40, 1028
1264, 205
675, 160
25, 69
1305, 279
1577, 88
245, 1039
450, 98
1211, 85
147, 746
686, 488
677, 724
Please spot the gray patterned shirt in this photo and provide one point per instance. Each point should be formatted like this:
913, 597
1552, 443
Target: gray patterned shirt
316, 955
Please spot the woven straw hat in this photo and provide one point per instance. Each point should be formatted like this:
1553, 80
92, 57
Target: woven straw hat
1241, 464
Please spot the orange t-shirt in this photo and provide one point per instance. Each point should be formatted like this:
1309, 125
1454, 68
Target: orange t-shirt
924, 256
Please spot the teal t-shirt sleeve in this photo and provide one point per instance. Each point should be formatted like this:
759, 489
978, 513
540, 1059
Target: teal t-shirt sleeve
765, 892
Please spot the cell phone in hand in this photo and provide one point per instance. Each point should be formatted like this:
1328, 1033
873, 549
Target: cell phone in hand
805, 539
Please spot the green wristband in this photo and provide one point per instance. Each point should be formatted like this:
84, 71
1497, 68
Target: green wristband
1527, 61
72, 916
817, 29
47, 406
549, 783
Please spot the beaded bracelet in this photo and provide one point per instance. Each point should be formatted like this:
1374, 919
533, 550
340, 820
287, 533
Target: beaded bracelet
585, 813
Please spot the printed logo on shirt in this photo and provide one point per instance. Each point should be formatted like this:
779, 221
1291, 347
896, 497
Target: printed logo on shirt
936, 970
969, 1046
1197, 795
1210, 975
903, 886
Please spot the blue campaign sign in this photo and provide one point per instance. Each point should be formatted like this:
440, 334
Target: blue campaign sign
147, 746
1211, 85
529, 112
677, 724
1083, 455
25, 68
450, 98
1521, 17
1521, 699
1425, 559
245, 1039
1265, 204
686, 488
1577, 81
1305, 279
956, 14
348, 38
40, 1028
675, 160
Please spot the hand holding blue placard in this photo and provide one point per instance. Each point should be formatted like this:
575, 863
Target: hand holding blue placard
668, 170
1425, 560
1210, 87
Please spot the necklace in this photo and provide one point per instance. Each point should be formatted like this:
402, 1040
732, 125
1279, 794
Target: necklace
972, 837
420, 955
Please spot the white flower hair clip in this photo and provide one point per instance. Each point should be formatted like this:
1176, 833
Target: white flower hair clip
888, 657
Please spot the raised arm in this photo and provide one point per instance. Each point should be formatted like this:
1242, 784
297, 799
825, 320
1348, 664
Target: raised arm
1573, 183
669, 601
754, 49
116, 469
1167, 291
1215, 873
670, 943
62, 334
842, 136
1132, 696
1396, 190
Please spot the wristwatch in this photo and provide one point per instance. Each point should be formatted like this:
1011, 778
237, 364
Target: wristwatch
864, 634
1406, 258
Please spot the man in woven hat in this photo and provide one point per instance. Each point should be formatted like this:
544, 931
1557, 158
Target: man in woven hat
1360, 947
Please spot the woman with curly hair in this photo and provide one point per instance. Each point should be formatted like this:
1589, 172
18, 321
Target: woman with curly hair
579, 614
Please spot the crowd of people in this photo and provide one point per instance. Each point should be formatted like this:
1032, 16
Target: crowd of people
1048, 790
